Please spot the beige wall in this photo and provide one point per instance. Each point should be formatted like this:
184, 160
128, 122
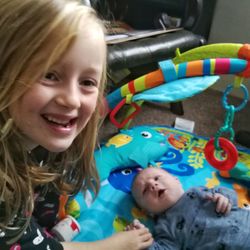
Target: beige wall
231, 24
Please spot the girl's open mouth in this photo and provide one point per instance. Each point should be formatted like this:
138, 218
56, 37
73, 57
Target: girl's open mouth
58, 122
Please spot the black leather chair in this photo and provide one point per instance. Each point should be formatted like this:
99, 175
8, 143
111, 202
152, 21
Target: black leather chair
142, 56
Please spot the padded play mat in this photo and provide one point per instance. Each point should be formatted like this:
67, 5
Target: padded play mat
121, 157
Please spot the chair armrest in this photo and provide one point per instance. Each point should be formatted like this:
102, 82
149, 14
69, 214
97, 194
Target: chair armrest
152, 49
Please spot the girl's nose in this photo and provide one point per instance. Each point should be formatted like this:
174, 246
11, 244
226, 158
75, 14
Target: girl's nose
69, 97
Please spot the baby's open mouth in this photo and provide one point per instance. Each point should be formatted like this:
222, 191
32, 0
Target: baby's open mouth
161, 192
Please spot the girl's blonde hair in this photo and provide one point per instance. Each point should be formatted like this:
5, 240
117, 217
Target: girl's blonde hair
34, 35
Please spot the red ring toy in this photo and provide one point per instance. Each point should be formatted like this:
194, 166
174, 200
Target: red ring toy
231, 154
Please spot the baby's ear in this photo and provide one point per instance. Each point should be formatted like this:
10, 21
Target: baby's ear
143, 213
151, 215
147, 213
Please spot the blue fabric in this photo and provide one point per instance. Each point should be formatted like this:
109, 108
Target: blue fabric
168, 70
176, 90
131, 147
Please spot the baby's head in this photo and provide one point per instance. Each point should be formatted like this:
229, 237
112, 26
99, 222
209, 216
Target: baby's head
155, 190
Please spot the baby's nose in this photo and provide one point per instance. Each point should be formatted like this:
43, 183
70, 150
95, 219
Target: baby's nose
153, 186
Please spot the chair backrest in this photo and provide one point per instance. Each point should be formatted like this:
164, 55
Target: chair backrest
195, 15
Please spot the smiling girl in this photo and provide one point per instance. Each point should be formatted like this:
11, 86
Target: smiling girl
52, 74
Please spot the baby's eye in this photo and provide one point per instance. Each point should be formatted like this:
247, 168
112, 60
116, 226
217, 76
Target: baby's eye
156, 178
88, 83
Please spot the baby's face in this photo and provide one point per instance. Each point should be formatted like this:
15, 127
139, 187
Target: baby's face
155, 190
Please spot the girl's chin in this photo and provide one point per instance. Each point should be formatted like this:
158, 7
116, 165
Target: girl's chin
57, 148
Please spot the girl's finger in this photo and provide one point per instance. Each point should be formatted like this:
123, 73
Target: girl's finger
147, 243
143, 230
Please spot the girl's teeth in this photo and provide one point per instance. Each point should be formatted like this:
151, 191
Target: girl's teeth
52, 119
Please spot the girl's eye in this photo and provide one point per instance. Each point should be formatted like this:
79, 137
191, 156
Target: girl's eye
51, 76
89, 83
156, 178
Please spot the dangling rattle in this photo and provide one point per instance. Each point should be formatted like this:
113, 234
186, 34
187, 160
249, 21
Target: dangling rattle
228, 152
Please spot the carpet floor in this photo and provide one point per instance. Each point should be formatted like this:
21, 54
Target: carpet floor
205, 109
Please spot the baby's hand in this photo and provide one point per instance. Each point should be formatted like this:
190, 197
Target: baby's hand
223, 204
136, 224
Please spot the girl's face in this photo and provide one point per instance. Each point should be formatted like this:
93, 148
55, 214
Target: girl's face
155, 190
57, 108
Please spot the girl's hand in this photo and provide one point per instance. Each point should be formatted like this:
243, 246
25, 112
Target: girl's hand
134, 239
223, 204
138, 239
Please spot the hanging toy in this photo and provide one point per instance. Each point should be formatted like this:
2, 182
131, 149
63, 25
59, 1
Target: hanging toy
229, 154
220, 152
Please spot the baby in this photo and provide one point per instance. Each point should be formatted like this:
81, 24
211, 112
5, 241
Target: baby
199, 218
